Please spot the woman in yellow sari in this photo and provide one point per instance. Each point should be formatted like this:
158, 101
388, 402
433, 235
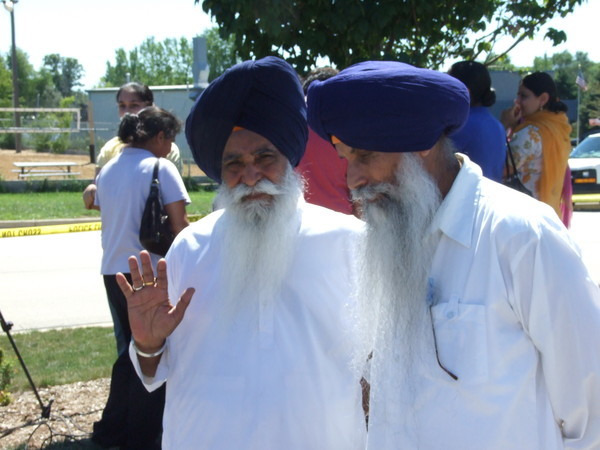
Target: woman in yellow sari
540, 140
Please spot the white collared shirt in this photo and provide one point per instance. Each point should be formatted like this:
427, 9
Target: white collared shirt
517, 319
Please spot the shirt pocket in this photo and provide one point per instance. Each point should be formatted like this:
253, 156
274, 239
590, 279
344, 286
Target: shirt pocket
461, 339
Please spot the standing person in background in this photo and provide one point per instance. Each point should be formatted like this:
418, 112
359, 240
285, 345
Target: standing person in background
131, 98
483, 138
132, 417
323, 171
540, 140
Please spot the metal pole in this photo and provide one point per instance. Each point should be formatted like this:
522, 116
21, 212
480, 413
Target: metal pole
17, 117
578, 103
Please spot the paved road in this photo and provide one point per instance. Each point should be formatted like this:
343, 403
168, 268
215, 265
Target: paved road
54, 280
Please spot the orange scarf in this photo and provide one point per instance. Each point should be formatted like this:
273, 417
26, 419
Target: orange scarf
555, 132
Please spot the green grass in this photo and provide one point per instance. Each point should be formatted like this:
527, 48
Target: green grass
58, 357
68, 205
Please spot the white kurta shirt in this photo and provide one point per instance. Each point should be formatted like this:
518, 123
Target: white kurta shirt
273, 379
517, 319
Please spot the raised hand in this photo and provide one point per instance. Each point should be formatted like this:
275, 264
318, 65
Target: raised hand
152, 317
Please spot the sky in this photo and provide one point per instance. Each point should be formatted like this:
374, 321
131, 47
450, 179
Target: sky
92, 30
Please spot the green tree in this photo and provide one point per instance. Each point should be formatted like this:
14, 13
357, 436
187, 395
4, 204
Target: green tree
422, 32
5, 84
221, 52
66, 72
25, 75
153, 63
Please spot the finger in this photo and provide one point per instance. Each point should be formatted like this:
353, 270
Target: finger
134, 269
184, 302
161, 274
126, 288
147, 271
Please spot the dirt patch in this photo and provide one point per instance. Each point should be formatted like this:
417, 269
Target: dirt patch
86, 169
73, 412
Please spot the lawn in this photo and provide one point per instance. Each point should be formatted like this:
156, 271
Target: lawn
58, 357
68, 205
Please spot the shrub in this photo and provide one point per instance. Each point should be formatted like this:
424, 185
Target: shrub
5, 380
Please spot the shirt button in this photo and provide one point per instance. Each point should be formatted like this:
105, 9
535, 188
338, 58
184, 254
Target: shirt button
450, 315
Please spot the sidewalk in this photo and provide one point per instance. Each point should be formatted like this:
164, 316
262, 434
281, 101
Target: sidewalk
53, 281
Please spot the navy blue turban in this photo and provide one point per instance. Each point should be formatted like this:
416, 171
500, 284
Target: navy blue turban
262, 96
387, 106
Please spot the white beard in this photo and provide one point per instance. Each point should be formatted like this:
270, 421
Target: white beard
393, 316
258, 241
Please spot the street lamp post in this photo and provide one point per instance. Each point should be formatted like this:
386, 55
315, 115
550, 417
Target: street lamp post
9, 6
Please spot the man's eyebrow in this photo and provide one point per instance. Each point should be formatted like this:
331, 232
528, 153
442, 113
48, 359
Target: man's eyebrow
263, 149
231, 157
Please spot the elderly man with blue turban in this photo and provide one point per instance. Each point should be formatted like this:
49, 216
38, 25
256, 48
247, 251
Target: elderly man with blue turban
482, 321
262, 357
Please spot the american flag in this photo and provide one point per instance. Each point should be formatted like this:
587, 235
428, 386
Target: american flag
580, 81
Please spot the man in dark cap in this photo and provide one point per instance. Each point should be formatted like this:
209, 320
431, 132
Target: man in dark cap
261, 359
481, 318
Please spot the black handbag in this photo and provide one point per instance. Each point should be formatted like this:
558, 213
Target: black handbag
155, 232
511, 178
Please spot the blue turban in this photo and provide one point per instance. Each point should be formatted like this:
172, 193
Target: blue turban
387, 106
262, 96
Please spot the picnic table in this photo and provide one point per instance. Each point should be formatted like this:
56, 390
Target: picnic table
44, 169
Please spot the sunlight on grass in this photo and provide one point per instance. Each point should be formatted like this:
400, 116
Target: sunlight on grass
58, 357
68, 205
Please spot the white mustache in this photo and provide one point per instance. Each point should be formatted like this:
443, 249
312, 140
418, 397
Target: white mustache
372, 192
264, 186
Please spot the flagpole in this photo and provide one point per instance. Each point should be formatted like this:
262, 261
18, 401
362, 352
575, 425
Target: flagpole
578, 103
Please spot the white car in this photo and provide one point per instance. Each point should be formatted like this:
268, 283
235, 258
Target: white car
584, 163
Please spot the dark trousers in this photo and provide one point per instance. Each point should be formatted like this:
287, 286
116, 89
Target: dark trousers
132, 417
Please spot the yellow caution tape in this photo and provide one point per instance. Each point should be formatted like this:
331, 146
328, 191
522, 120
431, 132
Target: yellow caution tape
50, 229
65, 228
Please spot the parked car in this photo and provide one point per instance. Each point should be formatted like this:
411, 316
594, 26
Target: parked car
584, 163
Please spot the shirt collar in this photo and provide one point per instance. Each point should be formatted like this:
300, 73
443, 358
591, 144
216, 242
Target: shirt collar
456, 215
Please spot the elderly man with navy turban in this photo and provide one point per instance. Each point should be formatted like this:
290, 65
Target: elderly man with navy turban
482, 321
262, 357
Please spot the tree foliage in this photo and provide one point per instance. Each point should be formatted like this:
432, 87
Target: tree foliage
153, 63
66, 73
422, 32
221, 52
168, 62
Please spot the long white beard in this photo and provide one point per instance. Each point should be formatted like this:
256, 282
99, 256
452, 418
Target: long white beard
393, 316
258, 243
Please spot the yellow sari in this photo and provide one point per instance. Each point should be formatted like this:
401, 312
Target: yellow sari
555, 133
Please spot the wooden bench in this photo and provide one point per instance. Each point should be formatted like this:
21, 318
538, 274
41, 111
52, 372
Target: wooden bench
45, 169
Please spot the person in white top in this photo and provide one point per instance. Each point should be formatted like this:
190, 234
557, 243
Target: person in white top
262, 357
132, 417
482, 320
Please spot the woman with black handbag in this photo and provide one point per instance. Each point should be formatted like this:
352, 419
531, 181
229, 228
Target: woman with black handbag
132, 417
540, 141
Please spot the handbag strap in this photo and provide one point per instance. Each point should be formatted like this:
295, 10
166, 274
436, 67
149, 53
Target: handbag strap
512, 165
155, 173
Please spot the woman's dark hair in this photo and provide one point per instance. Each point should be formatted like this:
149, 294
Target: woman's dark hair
541, 82
136, 129
320, 74
476, 78
141, 91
